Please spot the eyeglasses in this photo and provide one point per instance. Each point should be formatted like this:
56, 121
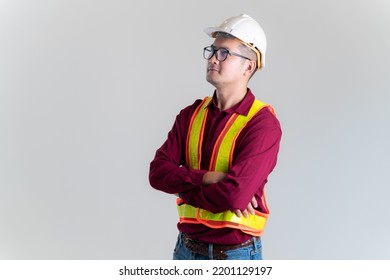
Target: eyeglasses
221, 54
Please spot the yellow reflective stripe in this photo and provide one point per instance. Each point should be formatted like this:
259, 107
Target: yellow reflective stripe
252, 221
223, 159
196, 135
217, 145
187, 211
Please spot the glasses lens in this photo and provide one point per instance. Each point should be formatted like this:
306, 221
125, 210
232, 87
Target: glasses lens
208, 52
222, 54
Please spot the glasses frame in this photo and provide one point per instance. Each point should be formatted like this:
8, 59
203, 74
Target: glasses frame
214, 51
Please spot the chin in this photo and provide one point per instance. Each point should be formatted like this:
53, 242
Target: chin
210, 80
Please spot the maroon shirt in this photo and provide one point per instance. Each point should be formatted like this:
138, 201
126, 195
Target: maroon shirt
254, 158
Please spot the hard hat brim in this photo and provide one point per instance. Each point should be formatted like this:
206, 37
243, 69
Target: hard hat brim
212, 30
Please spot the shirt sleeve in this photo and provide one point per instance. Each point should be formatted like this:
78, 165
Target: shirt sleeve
168, 172
255, 157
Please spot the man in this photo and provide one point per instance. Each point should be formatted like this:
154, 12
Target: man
220, 152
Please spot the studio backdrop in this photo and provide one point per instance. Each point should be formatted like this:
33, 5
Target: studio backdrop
90, 89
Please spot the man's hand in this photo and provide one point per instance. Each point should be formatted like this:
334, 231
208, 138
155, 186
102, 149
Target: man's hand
212, 177
249, 209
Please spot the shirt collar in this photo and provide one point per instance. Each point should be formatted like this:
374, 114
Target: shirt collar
241, 108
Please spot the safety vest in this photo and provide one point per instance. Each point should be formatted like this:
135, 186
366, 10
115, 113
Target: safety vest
221, 160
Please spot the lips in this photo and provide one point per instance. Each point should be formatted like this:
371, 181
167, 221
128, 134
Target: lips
212, 68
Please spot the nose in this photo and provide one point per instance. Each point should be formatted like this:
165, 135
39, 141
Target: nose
213, 59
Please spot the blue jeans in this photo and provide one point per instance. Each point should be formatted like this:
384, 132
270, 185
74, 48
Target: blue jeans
251, 252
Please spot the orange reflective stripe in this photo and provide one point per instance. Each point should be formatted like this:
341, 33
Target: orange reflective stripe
218, 160
253, 223
243, 228
264, 202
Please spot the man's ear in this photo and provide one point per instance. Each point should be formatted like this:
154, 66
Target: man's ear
251, 68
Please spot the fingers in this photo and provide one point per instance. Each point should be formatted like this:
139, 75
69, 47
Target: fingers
249, 209
254, 202
240, 213
251, 206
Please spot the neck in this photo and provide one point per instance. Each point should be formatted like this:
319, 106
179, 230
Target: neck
227, 98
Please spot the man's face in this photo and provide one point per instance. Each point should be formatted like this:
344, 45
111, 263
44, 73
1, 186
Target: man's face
230, 71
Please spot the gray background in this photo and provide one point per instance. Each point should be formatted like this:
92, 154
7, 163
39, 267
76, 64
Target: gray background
89, 90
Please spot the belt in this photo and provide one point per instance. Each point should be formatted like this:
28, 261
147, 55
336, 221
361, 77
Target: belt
219, 251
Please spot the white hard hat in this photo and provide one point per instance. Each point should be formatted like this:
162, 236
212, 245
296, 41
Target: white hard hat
247, 30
